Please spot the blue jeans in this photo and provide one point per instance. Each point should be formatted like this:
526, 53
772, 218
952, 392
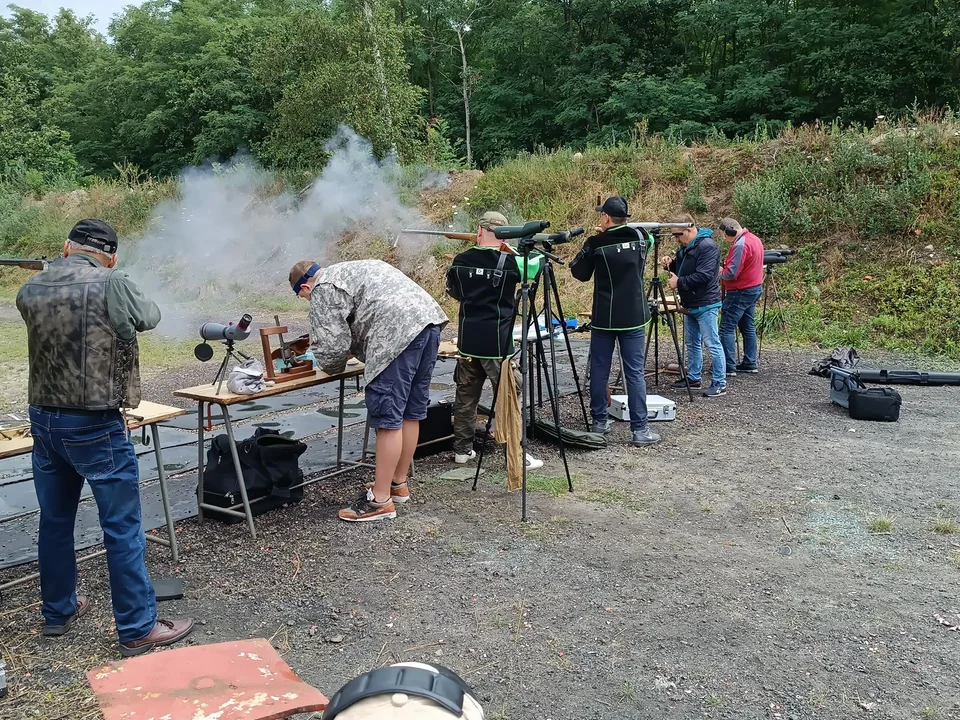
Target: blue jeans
601, 357
701, 330
68, 448
739, 308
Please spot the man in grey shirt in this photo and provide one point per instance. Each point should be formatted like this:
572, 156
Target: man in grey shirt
371, 310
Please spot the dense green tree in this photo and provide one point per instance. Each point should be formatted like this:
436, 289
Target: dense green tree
186, 81
322, 68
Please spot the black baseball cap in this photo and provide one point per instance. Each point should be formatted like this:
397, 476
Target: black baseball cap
96, 235
615, 206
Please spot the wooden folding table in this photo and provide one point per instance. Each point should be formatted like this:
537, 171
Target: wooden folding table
206, 395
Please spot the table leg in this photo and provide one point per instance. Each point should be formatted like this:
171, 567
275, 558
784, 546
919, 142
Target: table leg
200, 461
366, 440
236, 465
171, 530
340, 426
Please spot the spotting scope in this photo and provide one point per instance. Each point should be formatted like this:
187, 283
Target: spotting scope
230, 331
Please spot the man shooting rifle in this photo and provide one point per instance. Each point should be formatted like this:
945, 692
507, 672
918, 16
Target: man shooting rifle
82, 318
614, 259
484, 280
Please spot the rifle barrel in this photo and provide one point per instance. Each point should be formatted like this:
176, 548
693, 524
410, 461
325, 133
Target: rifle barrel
469, 237
39, 264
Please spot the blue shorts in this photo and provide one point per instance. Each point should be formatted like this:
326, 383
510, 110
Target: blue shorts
402, 391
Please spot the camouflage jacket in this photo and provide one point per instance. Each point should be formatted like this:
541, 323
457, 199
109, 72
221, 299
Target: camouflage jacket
82, 323
368, 309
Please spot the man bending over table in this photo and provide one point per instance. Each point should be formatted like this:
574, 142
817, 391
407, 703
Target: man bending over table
371, 310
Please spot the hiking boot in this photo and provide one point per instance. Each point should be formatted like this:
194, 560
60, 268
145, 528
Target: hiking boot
365, 509
165, 632
83, 605
464, 458
398, 493
681, 384
644, 437
533, 463
748, 369
601, 427
715, 390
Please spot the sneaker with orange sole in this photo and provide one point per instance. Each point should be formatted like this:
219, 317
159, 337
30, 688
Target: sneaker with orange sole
365, 509
398, 493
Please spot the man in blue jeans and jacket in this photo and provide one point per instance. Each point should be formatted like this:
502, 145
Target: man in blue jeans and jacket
695, 275
615, 260
82, 320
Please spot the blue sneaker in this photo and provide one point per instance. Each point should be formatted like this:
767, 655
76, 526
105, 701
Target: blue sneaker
715, 390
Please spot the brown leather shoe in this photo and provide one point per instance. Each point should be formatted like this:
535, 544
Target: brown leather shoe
83, 605
165, 632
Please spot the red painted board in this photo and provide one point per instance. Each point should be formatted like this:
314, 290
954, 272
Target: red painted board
242, 680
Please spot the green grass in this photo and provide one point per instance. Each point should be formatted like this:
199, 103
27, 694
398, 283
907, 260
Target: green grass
946, 526
880, 524
553, 485
155, 352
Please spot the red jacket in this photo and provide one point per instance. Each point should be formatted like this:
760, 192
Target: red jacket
743, 267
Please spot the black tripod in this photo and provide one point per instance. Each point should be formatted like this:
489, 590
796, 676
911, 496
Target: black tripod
232, 352
548, 280
770, 281
526, 247
657, 300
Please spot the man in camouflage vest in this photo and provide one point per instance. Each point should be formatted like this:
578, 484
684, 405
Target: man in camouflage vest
82, 320
371, 310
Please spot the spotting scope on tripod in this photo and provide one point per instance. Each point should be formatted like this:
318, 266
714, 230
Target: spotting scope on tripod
229, 334
531, 239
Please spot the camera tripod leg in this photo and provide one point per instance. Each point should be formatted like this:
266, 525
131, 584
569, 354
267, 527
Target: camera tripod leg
676, 344
566, 339
660, 301
554, 391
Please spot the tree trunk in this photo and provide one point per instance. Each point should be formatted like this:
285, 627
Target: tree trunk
381, 75
465, 73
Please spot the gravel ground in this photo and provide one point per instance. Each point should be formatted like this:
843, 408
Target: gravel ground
771, 558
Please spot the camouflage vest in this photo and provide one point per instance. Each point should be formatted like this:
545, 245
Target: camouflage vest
77, 360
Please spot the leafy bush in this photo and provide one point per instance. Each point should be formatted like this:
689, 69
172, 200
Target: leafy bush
762, 204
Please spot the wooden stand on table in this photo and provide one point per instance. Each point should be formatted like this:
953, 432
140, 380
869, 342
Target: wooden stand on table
293, 370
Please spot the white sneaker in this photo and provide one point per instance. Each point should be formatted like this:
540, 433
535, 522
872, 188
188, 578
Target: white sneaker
533, 463
463, 459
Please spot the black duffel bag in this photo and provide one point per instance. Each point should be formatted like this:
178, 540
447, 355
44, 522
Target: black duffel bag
270, 465
879, 404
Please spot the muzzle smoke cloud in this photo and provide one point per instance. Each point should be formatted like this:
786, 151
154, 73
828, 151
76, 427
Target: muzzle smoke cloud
230, 238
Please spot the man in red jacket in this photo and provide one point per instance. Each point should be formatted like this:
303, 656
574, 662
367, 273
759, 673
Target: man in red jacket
742, 278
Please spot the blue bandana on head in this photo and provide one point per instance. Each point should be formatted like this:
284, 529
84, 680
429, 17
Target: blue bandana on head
298, 286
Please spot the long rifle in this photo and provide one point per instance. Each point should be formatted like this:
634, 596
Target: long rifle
38, 264
467, 237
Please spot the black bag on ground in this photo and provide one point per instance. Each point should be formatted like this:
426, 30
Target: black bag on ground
879, 404
270, 465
